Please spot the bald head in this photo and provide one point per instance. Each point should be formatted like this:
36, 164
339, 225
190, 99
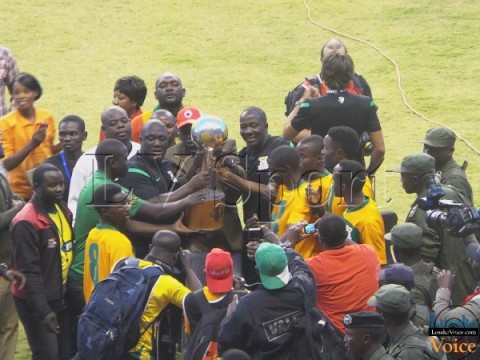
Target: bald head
166, 241
110, 150
152, 124
169, 92
332, 45
154, 139
163, 114
116, 125
110, 111
165, 246
167, 75
167, 118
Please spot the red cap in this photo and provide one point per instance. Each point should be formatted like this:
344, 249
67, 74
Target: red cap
219, 271
187, 115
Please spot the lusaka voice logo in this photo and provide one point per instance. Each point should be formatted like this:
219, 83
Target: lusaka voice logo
454, 331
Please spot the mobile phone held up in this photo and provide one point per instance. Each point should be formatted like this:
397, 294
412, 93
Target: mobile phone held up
254, 233
309, 229
42, 125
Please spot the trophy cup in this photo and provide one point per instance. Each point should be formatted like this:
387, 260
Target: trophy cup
209, 133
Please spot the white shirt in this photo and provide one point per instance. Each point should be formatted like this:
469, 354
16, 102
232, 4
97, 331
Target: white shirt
83, 170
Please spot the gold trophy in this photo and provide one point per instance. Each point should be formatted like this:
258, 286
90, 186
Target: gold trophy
209, 133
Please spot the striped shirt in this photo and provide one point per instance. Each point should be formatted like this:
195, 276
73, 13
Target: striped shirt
8, 72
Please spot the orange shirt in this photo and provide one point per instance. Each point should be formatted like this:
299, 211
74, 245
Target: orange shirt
137, 124
346, 278
17, 132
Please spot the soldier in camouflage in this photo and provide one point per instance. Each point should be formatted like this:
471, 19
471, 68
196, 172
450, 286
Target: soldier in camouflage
364, 334
406, 240
407, 341
439, 143
438, 246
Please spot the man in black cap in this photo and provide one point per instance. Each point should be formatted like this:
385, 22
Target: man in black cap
439, 143
365, 333
438, 246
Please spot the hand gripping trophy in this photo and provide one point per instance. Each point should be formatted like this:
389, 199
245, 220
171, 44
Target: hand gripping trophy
210, 134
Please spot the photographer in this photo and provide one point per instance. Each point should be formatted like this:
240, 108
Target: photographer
263, 322
439, 246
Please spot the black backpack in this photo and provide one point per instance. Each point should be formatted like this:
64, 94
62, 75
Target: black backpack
296, 93
203, 343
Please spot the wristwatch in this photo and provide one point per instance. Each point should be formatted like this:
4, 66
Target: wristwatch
3, 268
299, 102
286, 245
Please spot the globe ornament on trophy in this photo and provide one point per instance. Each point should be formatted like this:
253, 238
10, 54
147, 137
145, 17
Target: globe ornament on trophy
209, 133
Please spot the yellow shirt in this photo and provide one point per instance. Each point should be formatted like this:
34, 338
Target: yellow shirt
322, 184
291, 206
365, 226
104, 247
17, 132
167, 290
66, 240
336, 205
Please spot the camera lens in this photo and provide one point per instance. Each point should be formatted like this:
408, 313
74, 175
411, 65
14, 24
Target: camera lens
436, 218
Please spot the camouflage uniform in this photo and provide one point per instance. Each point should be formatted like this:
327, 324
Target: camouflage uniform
425, 275
380, 354
452, 174
410, 344
423, 293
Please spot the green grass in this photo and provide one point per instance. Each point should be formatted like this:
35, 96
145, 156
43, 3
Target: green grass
233, 54
22, 351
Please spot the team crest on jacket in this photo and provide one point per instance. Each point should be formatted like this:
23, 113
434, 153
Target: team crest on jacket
51, 243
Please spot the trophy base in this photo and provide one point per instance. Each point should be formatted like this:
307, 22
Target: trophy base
206, 215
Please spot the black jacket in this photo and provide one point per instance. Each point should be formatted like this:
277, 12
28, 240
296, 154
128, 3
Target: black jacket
36, 253
263, 323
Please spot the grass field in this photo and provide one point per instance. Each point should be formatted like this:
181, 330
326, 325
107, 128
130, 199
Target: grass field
233, 54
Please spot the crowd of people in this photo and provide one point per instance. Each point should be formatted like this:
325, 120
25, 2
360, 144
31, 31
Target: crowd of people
314, 244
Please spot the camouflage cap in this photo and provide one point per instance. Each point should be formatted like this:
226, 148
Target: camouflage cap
405, 236
391, 298
418, 164
440, 137
364, 319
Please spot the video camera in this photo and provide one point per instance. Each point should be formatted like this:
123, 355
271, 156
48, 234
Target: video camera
458, 219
